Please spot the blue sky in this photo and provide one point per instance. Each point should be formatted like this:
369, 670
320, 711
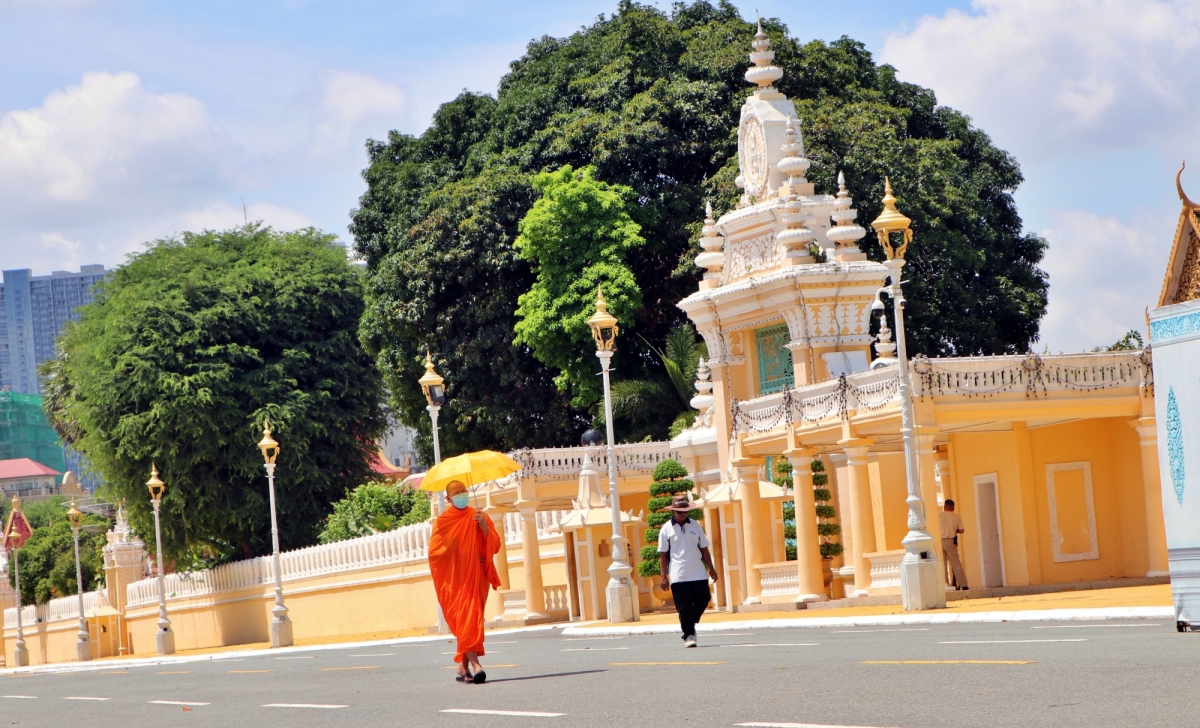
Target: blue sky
123, 121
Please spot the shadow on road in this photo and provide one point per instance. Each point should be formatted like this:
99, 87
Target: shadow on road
539, 677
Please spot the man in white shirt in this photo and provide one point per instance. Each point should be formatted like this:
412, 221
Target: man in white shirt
685, 565
952, 525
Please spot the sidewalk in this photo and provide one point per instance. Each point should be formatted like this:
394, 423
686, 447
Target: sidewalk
1140, 602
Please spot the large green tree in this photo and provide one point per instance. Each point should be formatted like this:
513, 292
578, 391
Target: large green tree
185, 351
651, 99
577, 238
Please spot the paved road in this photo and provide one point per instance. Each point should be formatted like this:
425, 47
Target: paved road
1043, 674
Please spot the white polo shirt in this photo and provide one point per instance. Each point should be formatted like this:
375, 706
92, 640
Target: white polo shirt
684, 541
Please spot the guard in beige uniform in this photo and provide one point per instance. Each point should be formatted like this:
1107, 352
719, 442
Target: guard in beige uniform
952, 525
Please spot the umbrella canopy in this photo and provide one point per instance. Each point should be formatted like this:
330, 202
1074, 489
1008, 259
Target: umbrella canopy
470, 469
413, 481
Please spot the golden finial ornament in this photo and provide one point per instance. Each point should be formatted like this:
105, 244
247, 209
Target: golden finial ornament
603, 324
891, 221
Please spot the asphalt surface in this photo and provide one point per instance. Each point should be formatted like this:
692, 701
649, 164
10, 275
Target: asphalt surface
1132, 673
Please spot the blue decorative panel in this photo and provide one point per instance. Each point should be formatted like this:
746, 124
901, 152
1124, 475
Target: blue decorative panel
774, 360
1175, 444
1176, 326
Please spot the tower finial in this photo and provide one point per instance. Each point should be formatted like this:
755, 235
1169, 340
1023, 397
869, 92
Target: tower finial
762, 72
793, 164
712, 260
845, 233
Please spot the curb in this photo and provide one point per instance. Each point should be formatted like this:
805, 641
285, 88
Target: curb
892, 620
64, 667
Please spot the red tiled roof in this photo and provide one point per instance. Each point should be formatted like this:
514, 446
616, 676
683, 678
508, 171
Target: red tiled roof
381, 466
24, 468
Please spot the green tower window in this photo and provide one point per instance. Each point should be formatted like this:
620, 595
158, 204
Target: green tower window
774, 359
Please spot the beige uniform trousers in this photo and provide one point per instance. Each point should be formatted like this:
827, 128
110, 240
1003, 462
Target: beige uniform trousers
950, 551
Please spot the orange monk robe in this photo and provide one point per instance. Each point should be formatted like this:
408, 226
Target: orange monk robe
460, 561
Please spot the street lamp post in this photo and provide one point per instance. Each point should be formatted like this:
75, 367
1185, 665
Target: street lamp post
281, 626
920, 570
435, 394
622, 596
83, 644
14, 538
165, 638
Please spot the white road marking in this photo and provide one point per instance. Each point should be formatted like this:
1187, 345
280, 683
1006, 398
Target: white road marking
302, 705
1087, 626
20, 697
797, 725
595, 649
490, 642
492, 652
523, 713
82, 698
857, 631
375, 654
303, 657
586, 639
174, 702
1004, 642
774, 644
730, 634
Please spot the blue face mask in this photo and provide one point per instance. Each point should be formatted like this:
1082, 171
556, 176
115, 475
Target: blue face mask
461, 500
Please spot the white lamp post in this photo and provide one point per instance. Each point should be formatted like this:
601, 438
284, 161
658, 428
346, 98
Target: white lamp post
281, 626
920, 570
435, 394
13, 540
622, 594
83, 644
165, 638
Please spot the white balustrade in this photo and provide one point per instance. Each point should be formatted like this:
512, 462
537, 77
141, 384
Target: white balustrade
546, 521
885, 571
68, 607
566, 462
780, 579
403, 545
32, 614
556, 599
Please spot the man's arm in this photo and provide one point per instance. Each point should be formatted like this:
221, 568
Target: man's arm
707, 559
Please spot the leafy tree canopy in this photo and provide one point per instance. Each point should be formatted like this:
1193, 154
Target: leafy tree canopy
187, 349
576, 238
373, 508
650, 100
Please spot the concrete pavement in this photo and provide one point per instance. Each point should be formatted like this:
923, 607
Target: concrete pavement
1079, 673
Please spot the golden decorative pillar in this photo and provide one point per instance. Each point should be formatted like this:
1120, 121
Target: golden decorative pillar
754, 531
861, 515
811, 582
531, 561
1156, 532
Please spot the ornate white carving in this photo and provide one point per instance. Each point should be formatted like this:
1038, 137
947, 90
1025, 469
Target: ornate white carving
712, 259
752, 156
744, 257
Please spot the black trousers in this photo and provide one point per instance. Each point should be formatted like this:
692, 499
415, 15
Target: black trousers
691, 599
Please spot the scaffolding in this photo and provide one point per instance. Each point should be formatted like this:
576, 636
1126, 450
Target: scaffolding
26, 433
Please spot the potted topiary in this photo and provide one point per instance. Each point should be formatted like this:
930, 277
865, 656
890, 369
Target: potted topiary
826, 531
670, 478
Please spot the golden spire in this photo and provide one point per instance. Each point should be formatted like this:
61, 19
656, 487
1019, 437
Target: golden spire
891, 221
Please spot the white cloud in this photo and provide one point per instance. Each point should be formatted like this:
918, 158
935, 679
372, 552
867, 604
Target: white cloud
1062, 75
1103, 273
351, 103
108, 147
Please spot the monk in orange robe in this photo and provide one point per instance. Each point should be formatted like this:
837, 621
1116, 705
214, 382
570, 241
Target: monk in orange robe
460, 560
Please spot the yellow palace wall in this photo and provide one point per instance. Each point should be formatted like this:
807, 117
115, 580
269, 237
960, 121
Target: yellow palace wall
1019, 460
366, 603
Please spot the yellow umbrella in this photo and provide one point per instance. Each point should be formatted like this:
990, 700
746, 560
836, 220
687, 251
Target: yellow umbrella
470, 469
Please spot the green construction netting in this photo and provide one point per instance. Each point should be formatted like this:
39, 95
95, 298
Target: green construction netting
25, 432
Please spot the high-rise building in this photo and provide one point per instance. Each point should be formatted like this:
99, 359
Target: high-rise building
33, 311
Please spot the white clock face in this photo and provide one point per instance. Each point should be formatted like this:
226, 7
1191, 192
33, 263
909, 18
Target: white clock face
752, 152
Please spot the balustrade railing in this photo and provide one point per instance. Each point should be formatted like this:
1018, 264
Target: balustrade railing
54, 610
32, 614
546, 521
568, 461
984, 376
403, 545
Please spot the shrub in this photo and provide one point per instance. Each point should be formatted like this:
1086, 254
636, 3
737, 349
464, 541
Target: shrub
373, 508
670, 479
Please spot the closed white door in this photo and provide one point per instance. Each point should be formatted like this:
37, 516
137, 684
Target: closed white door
991, 562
